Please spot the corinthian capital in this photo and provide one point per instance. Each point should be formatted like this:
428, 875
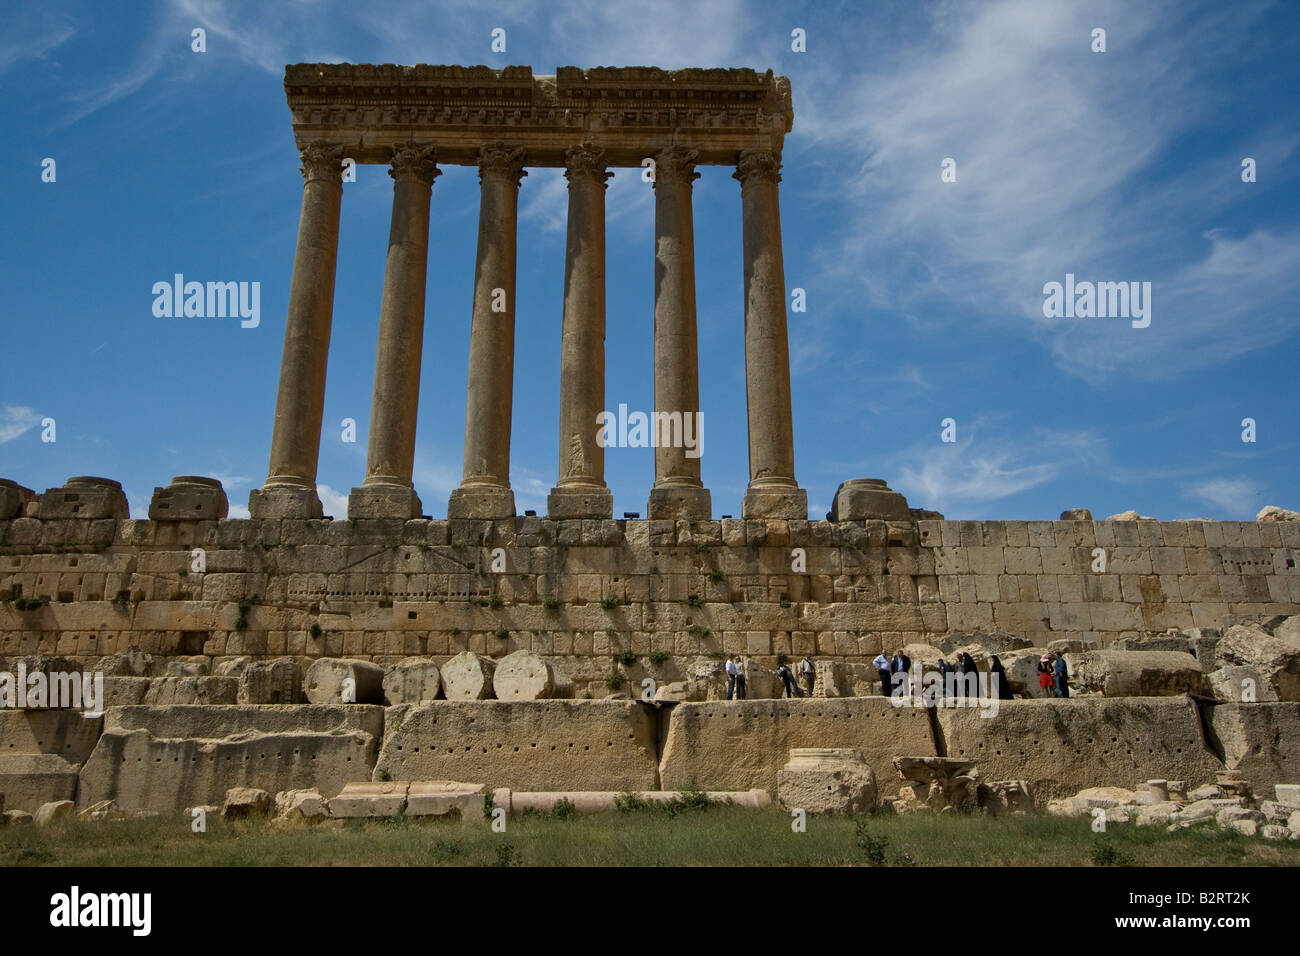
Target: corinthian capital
586, 162
411, 161
676, 164
498, 159
758, 165
321, 161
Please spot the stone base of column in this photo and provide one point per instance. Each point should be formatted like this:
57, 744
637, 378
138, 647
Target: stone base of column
481, 502
775, 501
580, 501
384, 501
284, 501
671, 502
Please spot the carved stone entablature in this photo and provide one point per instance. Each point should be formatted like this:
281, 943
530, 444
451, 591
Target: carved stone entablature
631, 112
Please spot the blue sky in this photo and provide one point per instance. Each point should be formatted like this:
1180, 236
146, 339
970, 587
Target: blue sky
924, 298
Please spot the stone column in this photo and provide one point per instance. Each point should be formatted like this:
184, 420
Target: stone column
677, 426
580, 491
484, 490
290, 489
772, 491
387, 491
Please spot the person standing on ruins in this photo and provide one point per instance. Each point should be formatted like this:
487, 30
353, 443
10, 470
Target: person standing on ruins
1061, 676
998, 674
945, 679
881, 664
741, 666
787, 680
731, 676
809, 673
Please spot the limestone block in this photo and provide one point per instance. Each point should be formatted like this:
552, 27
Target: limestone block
703, 744
189, 498
17, 818
1274, 513
523, 745
1288, 794
187, 666
133, 662
440, 798
412, 680
307, 804
244, 802
1288, 631
1260, 742
1134, 673
826, 780
366, 799
165, 759
1273, 657
523, 675
1238, 682
84, 498
68, 733
1062, 746
468, 676
122, 691
192, 690
30, 780
271, 682
1076, 514
55, 810
330, 679
863, 499
14, 499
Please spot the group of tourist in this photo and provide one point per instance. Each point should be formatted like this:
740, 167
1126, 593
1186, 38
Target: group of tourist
962, 679
736, 688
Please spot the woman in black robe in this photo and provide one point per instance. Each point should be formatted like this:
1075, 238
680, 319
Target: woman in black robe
1004, 685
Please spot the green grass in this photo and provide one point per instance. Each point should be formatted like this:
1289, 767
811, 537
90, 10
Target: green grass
641, 837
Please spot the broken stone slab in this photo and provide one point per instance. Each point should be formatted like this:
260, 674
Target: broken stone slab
1207, 792
1288, 794
411, 681
1275, 812
84, 497
29, 780
1244, 827
1274, 658
1129, 515
334, 680
468, 676
1274, 513
1076, 514
1273, 831
1006, 796
826, 780
102, 810
55, 810
189, 498
523, 675
867, 499
276, 681
305, 804
169, 691
17, 817
187, 666
132, 662
370, 799
1155, 791
1240, 684
440, 798
243, 802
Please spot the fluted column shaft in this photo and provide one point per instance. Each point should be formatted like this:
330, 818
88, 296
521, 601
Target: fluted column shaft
772, 491
387, 491
677, 492
290, 489
485, 488
580, 491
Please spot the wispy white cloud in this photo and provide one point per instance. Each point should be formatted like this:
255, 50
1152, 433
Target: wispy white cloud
32, 31
1232, 496
16, 419
333, 503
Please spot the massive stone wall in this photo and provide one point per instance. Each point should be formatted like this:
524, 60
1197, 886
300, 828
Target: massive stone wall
579, 592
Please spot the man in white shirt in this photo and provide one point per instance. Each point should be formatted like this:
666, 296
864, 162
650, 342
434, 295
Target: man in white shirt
881, 664
731, 677
809, 673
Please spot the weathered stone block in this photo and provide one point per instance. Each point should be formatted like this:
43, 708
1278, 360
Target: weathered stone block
189, 498
820, 780
333, 681
84, 498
